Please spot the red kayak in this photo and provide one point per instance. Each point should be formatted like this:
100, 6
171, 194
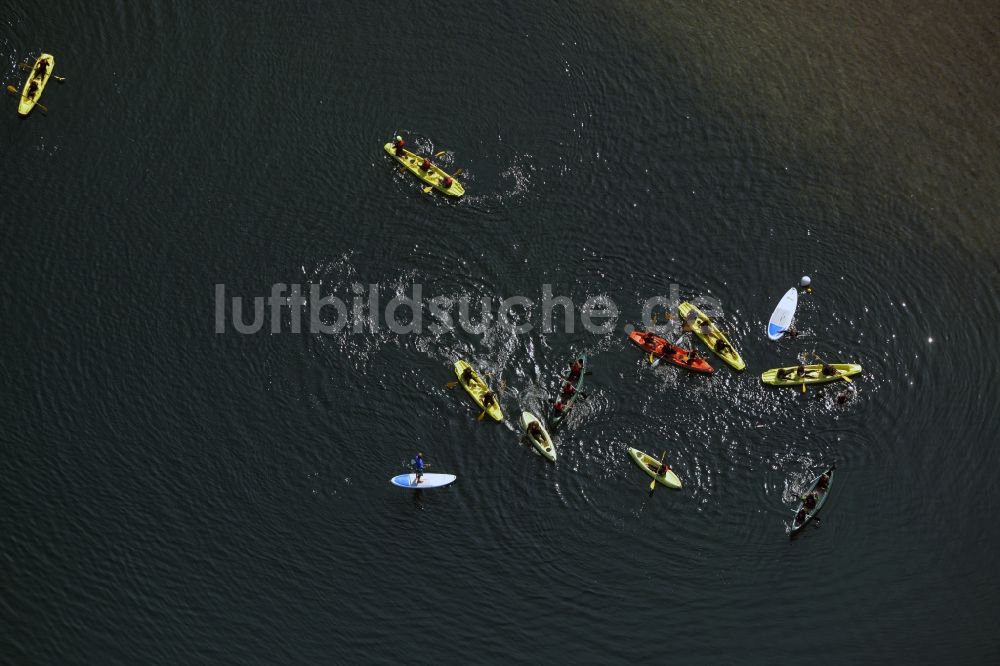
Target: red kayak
654, 344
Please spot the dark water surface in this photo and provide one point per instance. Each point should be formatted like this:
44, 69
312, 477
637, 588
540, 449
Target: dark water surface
172, 495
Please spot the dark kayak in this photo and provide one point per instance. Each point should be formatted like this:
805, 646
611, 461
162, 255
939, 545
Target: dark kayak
558, 417
820, 500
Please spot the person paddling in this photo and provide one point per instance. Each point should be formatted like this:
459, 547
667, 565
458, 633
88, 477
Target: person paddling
43, 66
418, 466
425, 165
535, 430
568, 390
575, 368
466, 375
398, 145
829, 370
489, 400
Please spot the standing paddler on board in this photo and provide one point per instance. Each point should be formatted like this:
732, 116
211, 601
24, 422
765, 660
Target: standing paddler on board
418, 466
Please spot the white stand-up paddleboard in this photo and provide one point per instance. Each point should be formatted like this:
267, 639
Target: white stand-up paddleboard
781, 318
426, 481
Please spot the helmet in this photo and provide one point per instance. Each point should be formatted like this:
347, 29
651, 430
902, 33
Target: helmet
399, 138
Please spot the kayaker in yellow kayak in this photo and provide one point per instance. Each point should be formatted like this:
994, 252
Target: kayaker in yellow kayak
398, 144
721, 347
32, 89
466, 375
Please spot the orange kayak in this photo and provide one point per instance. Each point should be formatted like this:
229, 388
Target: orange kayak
671, 353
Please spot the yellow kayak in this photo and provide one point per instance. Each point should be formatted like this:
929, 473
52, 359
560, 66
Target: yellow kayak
651, 466
477, 388
542, 443
28, 103
813, 374
698, 320
435, 176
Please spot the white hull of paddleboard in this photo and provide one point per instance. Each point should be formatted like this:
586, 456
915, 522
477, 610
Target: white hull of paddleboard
426, 481
781, 318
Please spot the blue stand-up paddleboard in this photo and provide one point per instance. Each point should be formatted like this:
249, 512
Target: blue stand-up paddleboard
781, 318
426, 481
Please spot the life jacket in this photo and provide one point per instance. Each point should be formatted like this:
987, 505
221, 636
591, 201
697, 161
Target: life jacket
447, 182
426, 166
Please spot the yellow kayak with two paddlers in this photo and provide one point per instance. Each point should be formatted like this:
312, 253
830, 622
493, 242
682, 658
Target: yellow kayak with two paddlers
433, 175
810, 374
477, 388
38, 77
709, 333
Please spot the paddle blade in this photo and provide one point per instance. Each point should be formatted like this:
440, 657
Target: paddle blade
11, 89
451, 385
481, 416
847, 379
651, 358
427, 190
803, 387
652, 485
439, 153
458, 172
